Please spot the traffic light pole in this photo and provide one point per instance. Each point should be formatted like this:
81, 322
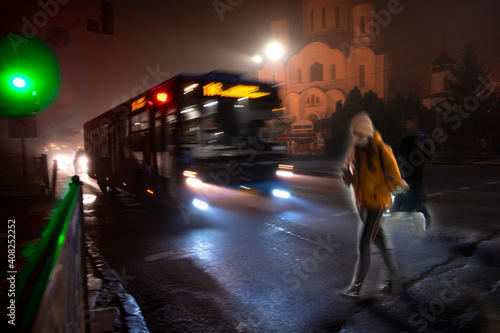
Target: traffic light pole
23, 152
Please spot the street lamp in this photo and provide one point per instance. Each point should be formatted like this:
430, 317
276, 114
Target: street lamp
274, 51
257, 58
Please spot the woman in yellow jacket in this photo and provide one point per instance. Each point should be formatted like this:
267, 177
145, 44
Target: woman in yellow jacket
372, 172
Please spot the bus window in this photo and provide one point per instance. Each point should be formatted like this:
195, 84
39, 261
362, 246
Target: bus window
190, 131
124, 124
104, 141
212, 132
139, 140
159, 133
140, 121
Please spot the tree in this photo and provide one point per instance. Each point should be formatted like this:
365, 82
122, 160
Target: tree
386, 118
472, 99
340, 122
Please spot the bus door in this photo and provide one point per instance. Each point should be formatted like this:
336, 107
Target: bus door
165, 148
140, 141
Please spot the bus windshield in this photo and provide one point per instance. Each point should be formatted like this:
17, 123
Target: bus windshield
227, 122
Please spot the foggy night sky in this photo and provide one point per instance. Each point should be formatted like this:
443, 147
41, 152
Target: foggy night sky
171, 37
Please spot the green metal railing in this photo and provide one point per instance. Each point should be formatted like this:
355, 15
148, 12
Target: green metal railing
52, 286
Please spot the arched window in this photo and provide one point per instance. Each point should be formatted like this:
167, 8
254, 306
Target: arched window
312, 20
348, 18
337, 17
362, 75
316, 72
299, 75
323, 17
277, 35
362, 24
334, 72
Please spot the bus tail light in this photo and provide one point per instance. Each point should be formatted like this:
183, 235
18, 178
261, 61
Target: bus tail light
161, 97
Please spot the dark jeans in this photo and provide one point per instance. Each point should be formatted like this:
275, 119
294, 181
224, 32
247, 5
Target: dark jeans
372, 233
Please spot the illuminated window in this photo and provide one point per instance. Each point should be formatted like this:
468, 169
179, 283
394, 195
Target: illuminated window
362, 24
348, 18
337, 16
334, 72
299, 75
323, 17
362, 75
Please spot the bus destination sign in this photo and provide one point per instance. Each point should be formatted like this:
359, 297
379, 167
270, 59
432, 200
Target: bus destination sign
238, 91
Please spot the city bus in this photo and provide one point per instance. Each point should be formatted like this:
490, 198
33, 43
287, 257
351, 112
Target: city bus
192, 130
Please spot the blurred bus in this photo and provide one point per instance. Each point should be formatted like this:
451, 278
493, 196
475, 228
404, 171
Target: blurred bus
188, 131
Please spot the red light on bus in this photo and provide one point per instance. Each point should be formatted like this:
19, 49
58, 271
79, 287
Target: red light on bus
161, 97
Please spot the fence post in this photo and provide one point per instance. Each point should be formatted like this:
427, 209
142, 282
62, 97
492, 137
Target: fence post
54, 180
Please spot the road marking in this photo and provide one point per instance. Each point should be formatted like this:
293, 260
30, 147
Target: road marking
346, 212
466, 188
291, 233
166, 254
435, 194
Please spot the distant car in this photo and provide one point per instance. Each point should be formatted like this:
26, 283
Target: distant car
80, 161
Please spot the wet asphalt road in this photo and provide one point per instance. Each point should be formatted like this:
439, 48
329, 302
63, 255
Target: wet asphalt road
268, 265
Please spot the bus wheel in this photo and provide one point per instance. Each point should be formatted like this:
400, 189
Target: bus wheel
103, 187
142, 191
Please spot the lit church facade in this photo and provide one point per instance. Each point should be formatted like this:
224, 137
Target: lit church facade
337, 53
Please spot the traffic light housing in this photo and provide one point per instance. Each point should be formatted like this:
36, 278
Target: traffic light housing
106, 26
107, 17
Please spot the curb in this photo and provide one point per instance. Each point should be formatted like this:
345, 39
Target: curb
111, 308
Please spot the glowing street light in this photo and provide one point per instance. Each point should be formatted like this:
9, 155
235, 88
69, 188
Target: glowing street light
274, 51
257, 58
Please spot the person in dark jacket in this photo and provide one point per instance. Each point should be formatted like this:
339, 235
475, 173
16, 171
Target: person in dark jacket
412, 160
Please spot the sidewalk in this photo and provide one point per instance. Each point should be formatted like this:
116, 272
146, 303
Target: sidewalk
111, 308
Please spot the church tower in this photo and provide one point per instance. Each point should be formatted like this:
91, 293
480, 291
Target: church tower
364, 31
442, 70
280, 33
326, 21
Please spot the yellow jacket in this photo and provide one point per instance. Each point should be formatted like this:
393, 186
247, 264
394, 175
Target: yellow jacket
372, 188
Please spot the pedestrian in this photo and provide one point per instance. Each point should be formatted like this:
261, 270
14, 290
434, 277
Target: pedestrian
412, 160
372, 172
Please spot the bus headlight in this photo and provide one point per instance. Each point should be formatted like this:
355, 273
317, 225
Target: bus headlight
200, 204
285, 170
83, 161
284, 173
281, 194
195, 182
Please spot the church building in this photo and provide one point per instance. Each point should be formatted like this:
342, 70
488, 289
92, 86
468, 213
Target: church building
338, 51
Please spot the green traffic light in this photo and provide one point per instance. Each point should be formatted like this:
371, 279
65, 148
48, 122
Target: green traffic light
29, 76
19, 82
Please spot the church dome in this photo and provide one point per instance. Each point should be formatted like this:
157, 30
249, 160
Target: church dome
443, 63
